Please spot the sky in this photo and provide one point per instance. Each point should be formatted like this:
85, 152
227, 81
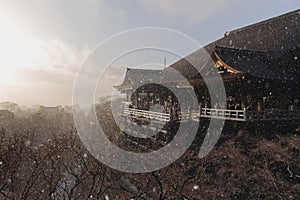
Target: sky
44, 43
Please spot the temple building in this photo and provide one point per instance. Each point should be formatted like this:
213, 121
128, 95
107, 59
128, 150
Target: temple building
259, 66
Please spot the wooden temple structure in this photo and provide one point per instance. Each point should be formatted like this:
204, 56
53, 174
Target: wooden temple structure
260, 68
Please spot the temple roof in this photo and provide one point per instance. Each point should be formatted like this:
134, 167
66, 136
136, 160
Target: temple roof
282, 65
269, 49
275, 34
278, 33
141, 76
262, 64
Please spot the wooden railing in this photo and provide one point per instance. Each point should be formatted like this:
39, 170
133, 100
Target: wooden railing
226, 114
235, 115
147, 114
183, 116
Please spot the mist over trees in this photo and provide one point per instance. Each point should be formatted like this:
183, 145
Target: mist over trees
42, 157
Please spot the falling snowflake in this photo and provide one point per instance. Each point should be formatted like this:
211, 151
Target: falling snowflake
196, 187
28, 143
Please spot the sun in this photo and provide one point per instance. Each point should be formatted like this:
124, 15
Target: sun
16, 49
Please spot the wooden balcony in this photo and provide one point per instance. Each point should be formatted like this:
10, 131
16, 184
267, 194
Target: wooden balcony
224, 114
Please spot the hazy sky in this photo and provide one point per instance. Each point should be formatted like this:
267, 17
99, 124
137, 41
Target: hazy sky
43, 43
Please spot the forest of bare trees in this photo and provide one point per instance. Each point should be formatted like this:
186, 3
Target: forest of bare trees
42, 157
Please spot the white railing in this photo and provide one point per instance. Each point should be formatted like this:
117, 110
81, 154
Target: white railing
183, 116
235, 115
147, 114
226, 114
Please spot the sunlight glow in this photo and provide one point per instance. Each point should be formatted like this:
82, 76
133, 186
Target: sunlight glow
16, 50
6, 76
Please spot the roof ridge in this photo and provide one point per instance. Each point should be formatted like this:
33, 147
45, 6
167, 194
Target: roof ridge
139, 69
240, 49
255, 51
264, 21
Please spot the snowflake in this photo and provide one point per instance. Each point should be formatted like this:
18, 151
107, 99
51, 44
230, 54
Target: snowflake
28, 143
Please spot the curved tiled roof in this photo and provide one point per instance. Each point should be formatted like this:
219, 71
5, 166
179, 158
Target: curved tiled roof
269, 49
263, 64
275, 34
139, 76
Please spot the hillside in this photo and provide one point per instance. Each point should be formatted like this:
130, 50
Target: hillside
44, 158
